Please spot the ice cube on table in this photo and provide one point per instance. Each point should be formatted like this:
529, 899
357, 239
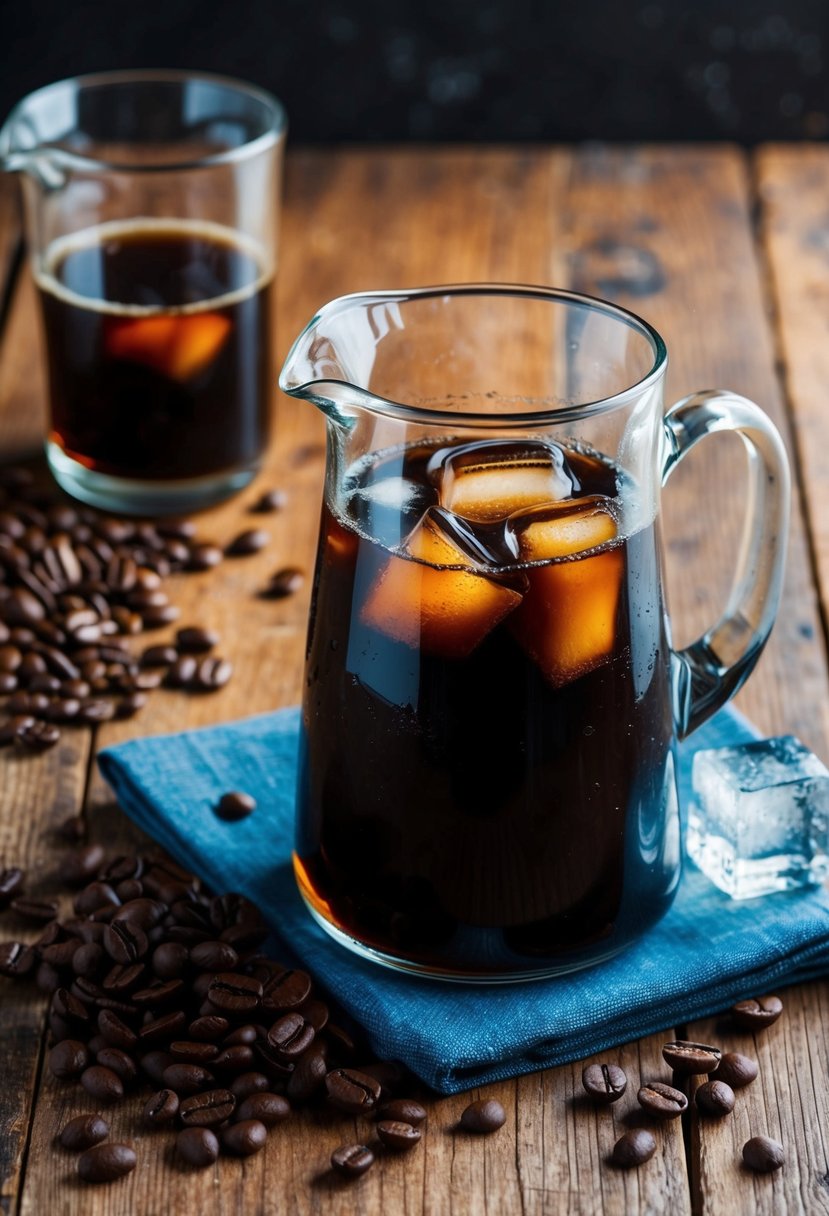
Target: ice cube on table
490, 480
567, 619
445, 612
759, 819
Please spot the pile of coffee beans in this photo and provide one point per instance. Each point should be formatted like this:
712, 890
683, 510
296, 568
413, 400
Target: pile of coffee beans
714, 1098
75, 587
154, 981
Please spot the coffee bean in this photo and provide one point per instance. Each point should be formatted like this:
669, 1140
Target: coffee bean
308, 1077
37, 737
145, 913
153, 1064
290, 1036
182, 672
691, 1058
214, 956
187, 1078
163, 1028
204, 557
102, 1083
402, 1110
269, 500
283, 583
397, 1135
757, 1013
67, 1006
605, 1083
106, 1162
11, 885
633, 1149
247, 542
68, 1059
123, 978
248, 1083
16, 959
267, 1107
158, 615
121, 1064
185, 1051
286, 990
234, 1060
235, 805
242, 1035
76, 869
198, 1146
207, 1109
83, 1131
93, 896
211, 675
484, 1116
763, 1155
161, 1108
59, 954
159, 656
662, 1101
352, 1091
39, 910
196, 640
736, 1070
125, 942
245, 1138
715, 1098
87, 959
352, 1160
209, 1028
234, 993
115, 1031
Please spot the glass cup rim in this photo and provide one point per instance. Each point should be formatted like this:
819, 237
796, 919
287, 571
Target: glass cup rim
137, 76
554, 415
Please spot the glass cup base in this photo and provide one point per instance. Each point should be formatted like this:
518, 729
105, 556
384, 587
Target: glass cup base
125, 495
396, 963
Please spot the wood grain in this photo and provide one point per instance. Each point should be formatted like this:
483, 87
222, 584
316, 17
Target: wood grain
10, 233
667, 232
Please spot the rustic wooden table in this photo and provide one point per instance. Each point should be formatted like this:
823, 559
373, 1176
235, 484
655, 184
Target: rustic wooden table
728, 255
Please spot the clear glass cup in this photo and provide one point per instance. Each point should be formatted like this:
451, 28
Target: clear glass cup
492, 704
151, 206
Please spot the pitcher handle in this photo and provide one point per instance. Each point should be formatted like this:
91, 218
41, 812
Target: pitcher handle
711, 670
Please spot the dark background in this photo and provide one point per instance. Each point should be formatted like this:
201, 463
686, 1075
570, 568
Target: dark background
493, 70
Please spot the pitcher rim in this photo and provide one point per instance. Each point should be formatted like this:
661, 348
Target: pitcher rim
562, 413
83, 161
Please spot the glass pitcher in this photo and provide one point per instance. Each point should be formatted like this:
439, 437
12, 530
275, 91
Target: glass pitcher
492, 704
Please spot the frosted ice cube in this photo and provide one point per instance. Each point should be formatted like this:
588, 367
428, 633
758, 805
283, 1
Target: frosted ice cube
567, 620
388, 509
490, 480
446, 612
759, 821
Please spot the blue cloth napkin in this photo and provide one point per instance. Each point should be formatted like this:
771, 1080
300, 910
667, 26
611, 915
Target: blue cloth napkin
708, 952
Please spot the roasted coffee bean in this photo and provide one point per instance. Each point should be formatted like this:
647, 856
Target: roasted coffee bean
286, 990
715, 1098
161, 1108
235, 805
196, 640
162, 1029
208, 1029
11, 885
10, 729
234, 993
402, 1110
83, 1131
153, 1064
99, 710
290, 1036
47, 978
245, 1138
352, 1091
88, 959
198, 1146
283, 583
67, 1006
484, 1116
185, 1051
214, 956
10, 658
242, 1036
125, 941
121, 1064
38, 910
633, 1149
59, 954
316, 1013
352, 1160
182, 671
690, 1059
68, 1059
159, 615
37, 737
757, 1013
736, 1070
159, 656
267, 1107
123, 978
95, 896
247, 542
204, 557
270, 500
207, 1109
106, 1162
187, 1078
8, 682
76, 869
102, 1083
157, 994
145, 913
129, 889
116, 1032
233, 1060
605, 1083
398, 1136
662, 1101
763, 1155
308, 1077
211, 675
248, 1083
45, 683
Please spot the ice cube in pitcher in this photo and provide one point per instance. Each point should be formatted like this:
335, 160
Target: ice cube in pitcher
492, 479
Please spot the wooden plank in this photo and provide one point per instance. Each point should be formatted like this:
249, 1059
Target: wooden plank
10, 222
667, 232
356, 220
